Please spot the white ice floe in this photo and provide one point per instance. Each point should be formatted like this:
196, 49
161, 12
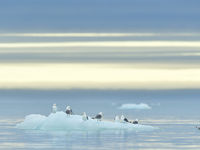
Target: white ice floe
135, 106
62, 122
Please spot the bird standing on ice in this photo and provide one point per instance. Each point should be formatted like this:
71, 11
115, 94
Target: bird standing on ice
198, 127
84, 116
99, 116
123, 119
135, 121
68, 110
116, 119
54, 108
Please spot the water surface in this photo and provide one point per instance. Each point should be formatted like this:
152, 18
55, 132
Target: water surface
175, 113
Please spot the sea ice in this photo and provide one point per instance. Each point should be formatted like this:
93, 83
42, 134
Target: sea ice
62, 122
135, 106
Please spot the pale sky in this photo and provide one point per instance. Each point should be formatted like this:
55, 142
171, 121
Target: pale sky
100, 63
133, 44
98, 76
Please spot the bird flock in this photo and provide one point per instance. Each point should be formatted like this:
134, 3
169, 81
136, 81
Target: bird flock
98, 117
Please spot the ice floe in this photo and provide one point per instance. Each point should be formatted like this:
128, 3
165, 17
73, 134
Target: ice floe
135, 106
59, 121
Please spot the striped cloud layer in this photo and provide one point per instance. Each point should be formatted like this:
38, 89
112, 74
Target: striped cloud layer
100, 60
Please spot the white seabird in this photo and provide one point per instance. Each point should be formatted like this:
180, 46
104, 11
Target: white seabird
68, 110
84, 117
54, 108
117, 119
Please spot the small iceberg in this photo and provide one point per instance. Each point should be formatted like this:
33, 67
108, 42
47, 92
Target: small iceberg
135, 106
59, 121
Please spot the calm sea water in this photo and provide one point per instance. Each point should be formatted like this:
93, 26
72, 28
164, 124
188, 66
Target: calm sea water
174, 112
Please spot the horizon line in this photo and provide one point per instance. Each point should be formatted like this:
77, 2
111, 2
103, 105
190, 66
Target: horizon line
98, 34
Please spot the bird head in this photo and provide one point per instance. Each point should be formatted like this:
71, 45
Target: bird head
68, 108
122, 117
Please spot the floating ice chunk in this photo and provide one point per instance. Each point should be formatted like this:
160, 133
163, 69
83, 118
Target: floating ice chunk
135, 106
33, 121
62, 122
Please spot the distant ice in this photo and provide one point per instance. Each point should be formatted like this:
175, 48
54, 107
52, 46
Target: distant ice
135, 106
61, 122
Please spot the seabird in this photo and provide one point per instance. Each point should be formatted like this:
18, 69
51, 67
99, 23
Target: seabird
54, 108
99, 116
198, 127
135, 121
68, 110
84, 116
123, 119
116, 119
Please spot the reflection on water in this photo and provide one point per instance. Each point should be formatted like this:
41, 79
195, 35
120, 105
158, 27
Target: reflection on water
168, 136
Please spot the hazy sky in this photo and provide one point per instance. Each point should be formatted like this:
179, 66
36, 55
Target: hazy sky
115, 44
99, 15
